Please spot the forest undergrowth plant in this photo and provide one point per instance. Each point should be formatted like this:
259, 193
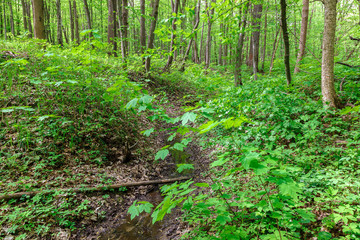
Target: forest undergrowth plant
273, 175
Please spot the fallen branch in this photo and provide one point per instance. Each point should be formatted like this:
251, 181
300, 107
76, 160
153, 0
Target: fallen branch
90, 189
354, 39
348, 65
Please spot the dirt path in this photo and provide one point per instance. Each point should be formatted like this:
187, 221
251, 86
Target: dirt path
116, 223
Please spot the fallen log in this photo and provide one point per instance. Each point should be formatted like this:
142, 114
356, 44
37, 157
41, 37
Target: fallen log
90, 189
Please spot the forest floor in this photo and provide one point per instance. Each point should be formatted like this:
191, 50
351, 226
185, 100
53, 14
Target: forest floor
59, 131
279, 164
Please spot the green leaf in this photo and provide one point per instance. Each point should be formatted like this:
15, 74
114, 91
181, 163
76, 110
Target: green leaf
182, 167
179, 146
132, 103
146, 99
223, 219
208, 126
290, 189
249, 158
189, 116
219, 162
324, 236
201, 184
162, 154
148, 132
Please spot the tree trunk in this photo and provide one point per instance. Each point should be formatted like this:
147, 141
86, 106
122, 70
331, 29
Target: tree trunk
239, 48
201, 43
24, 15
59, 23
112, 26
88, 17
76, 23
151, 33
286, 41
28, 11
275, 46
124, 30
12, 26
71, 22
327, 65
303, 33
142, 27
38, 13
173, 36
208, 40
4, 15
264, 44
256, 38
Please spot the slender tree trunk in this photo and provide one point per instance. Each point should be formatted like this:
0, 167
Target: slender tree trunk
208, 40
286, 41
327, 67
112, 26
4, 15
220, 45
256, 38
239, 48
264, 44
59, 23
24, 15
151, 33
196, 25
173, 36
88, 17
124, 30
226, 48
142, 27
76, 23
201, 43
275, 47
29, 19
38, 13
71, 22
12, 26
303, 33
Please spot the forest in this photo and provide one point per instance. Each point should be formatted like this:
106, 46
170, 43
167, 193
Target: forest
180, 119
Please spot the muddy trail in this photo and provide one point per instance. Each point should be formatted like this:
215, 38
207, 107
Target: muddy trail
111, 220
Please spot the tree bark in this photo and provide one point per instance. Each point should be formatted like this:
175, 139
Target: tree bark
59, 23
151, 33
239, 48
12, 26
264, 44
91, 189
28, 13
142, 27
24, 15
327, 66
76, 23
72, 32
124, 30
256, 38
112, 26
88, 17
286, 41
4, 17
275, 46
208, 40
173, 36
303, 33
201, 43
38, 13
